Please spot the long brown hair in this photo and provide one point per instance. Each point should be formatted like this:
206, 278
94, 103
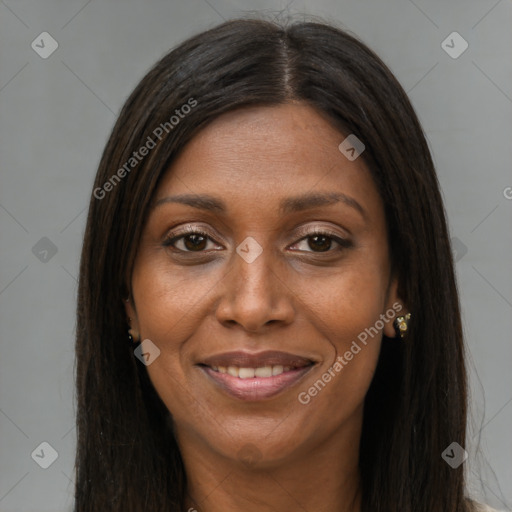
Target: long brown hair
127, 458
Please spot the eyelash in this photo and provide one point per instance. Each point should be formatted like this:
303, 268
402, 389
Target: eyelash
172, 238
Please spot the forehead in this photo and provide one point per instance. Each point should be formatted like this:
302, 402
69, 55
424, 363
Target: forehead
267, 153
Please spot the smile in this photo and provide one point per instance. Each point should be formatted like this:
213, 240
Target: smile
251, 373
255, 377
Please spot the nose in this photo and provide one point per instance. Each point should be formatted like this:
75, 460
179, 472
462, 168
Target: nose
254, 295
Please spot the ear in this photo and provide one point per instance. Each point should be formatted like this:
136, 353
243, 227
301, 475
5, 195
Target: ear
396, 305
131, 314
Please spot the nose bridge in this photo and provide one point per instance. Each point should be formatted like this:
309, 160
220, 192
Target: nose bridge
254, 295
253, 268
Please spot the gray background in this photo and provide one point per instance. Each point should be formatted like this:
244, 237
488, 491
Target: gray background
56, 114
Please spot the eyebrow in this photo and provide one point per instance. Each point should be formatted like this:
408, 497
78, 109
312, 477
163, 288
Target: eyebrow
287, 206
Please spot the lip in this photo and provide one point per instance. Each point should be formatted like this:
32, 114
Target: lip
245, 359
256, 388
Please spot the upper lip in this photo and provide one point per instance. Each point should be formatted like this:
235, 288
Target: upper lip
256, 360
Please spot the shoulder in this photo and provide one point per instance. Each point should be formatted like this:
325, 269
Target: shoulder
479, 507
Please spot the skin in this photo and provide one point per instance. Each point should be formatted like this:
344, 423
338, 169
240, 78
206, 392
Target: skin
297, 296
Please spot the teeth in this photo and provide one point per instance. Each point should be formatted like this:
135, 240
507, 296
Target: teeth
264, 371
276, 370
233, 370
249, 373
246, 373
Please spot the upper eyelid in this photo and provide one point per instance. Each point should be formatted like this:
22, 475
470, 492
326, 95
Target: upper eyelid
305, 233
303, 229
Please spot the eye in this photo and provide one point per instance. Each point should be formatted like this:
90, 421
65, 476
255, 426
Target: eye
191, 239
320, 241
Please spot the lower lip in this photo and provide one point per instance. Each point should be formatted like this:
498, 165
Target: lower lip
256, 388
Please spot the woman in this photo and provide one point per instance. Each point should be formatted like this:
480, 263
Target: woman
267, 315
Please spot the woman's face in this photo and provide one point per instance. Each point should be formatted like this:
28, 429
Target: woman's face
263, 277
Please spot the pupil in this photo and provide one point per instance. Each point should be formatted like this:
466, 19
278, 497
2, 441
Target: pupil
325, 246
196, 241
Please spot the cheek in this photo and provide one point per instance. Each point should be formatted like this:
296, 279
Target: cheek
170, 309
169, 302
338, 389
345, 302
348, 309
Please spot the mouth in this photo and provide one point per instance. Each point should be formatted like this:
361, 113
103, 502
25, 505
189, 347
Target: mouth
256, 377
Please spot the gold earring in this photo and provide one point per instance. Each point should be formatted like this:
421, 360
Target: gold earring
133, 336
401, 324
